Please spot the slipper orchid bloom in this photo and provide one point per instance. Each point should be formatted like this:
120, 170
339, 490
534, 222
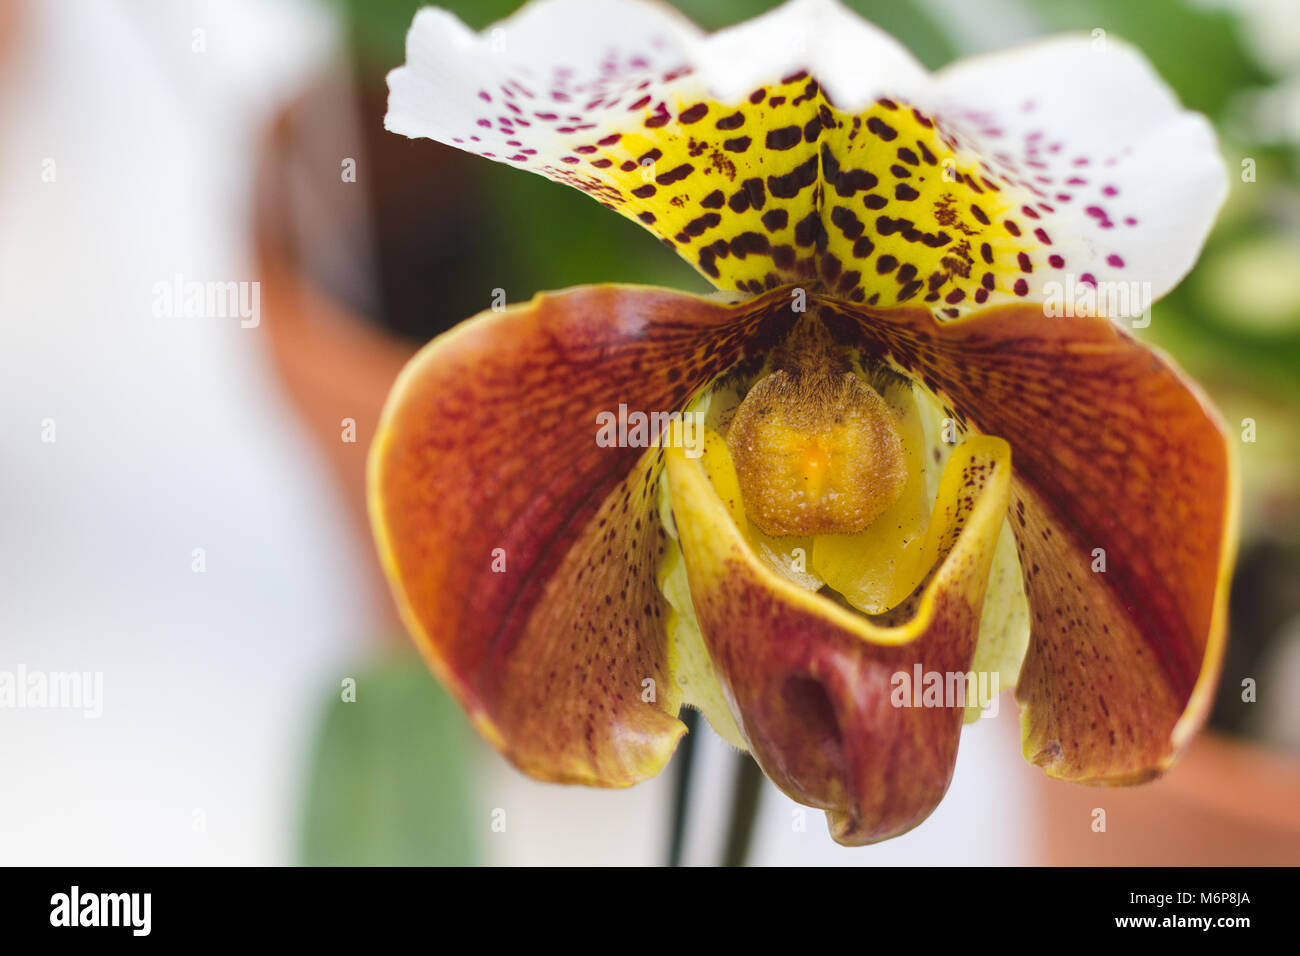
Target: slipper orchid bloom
911, 441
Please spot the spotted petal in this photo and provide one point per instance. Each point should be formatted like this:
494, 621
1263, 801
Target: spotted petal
523, 553
1117, 182
806, 145
1124, 510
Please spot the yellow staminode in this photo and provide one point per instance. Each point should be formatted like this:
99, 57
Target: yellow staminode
817, 452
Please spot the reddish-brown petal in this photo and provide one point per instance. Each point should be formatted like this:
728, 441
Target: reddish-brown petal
1121, 465
818, 689
487, 453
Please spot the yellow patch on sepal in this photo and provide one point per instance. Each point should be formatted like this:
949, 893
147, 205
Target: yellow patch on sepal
882, 205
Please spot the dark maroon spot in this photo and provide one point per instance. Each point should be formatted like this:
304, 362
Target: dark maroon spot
885, 132
809, 230
830, 267
675, 175
750, 242
788, 186
695, 113
853, 180
847, 222
783, 138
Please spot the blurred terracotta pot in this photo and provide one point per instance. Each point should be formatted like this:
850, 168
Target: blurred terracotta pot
335, 362
1226, 803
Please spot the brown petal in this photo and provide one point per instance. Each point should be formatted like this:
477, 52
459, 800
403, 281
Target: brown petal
487, 456
1118, 458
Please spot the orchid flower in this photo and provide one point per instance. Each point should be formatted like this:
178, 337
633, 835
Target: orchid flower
911, 439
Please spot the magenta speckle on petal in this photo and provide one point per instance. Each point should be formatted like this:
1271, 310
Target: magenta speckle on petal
1114, 260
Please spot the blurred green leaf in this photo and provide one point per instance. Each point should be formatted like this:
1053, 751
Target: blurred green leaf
378, 27
389, 783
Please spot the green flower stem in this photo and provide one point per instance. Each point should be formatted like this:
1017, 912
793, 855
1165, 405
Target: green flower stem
684, 763
745, 795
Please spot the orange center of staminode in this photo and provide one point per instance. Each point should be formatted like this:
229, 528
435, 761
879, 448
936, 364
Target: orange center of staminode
816, 449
